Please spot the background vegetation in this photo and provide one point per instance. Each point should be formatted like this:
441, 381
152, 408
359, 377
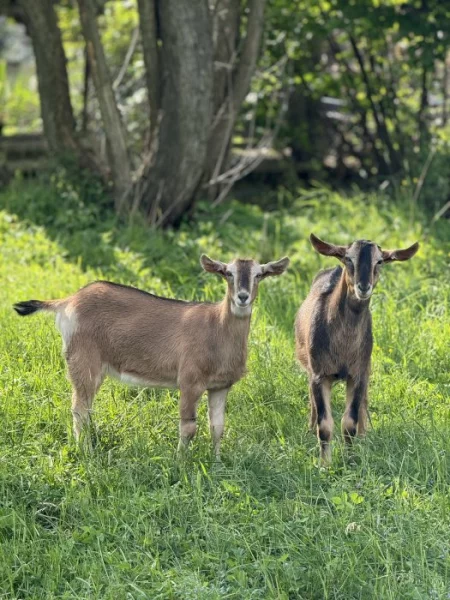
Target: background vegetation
342, 91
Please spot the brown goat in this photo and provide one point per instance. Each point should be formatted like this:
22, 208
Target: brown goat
333, 331
141, 339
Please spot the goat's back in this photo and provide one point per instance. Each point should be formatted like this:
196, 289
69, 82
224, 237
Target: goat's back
132, 331
155, 339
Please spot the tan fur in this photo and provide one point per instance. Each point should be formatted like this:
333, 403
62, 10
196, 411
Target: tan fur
139, 338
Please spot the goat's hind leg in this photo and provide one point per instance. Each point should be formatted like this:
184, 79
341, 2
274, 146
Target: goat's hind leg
216, 410
190, 396
85, 373
355, 416
320, 391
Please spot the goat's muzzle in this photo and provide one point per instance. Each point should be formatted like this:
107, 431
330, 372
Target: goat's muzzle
242, 299
363, 292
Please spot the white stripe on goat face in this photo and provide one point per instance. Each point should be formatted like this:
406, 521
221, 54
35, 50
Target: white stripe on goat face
244, 274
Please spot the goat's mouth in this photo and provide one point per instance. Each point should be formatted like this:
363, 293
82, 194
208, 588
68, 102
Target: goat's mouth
242, 304
363, 295
241, 308
242, 299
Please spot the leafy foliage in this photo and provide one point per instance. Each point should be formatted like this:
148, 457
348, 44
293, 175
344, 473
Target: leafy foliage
366, 85
384, 64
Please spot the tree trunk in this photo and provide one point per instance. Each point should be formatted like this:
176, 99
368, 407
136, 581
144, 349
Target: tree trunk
114, 132
170, 179
226, 20
235, 84
150, 36
56, 110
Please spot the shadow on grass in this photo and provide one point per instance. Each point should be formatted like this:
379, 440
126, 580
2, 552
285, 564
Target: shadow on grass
79, 218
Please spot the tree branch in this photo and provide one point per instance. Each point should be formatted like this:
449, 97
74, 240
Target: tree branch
149, 34
356, 106
114, 132
381, 126
423, 106
250, 51
445, 91
87, 74
128, 57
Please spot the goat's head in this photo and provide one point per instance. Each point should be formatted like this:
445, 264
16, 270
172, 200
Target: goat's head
243, 277
362, 261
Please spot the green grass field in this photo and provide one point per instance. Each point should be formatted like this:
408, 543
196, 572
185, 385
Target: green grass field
126, 521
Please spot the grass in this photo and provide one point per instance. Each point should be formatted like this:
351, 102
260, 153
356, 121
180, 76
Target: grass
127, 521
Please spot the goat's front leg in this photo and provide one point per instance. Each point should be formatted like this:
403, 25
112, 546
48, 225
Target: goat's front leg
190, 395
355, 416
320, 392
216, 409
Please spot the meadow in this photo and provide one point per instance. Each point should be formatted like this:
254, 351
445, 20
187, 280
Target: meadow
127, 520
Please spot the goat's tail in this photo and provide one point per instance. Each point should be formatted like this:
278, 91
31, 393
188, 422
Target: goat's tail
31, 306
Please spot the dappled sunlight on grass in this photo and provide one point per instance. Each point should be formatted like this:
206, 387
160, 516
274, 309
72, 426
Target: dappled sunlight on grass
127, 520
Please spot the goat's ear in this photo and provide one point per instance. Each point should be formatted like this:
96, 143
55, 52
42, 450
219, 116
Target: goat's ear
327, 249
275, 267
212, 266
405, 254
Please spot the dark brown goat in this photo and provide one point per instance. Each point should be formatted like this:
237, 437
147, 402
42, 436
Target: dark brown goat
333, 331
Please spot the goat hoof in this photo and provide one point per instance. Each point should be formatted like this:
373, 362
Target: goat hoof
349, 435
182, 450
325, 455
85, 442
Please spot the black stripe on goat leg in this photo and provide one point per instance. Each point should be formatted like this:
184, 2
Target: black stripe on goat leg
321, 392
353, 420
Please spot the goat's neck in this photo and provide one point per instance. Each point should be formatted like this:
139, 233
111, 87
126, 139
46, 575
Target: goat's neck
237, 323
344, 301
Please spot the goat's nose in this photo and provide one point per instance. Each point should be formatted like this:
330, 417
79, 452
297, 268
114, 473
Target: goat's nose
243, 296
364, 288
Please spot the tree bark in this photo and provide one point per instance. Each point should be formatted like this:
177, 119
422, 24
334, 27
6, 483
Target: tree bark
170, 179
59, 125
226, 21
250, 51
150, 35
225, 18
114, 132
445, 79
86, 77
235, 85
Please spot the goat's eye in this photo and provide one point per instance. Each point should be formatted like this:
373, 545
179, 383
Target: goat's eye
258, 275
229, 275
380, 262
